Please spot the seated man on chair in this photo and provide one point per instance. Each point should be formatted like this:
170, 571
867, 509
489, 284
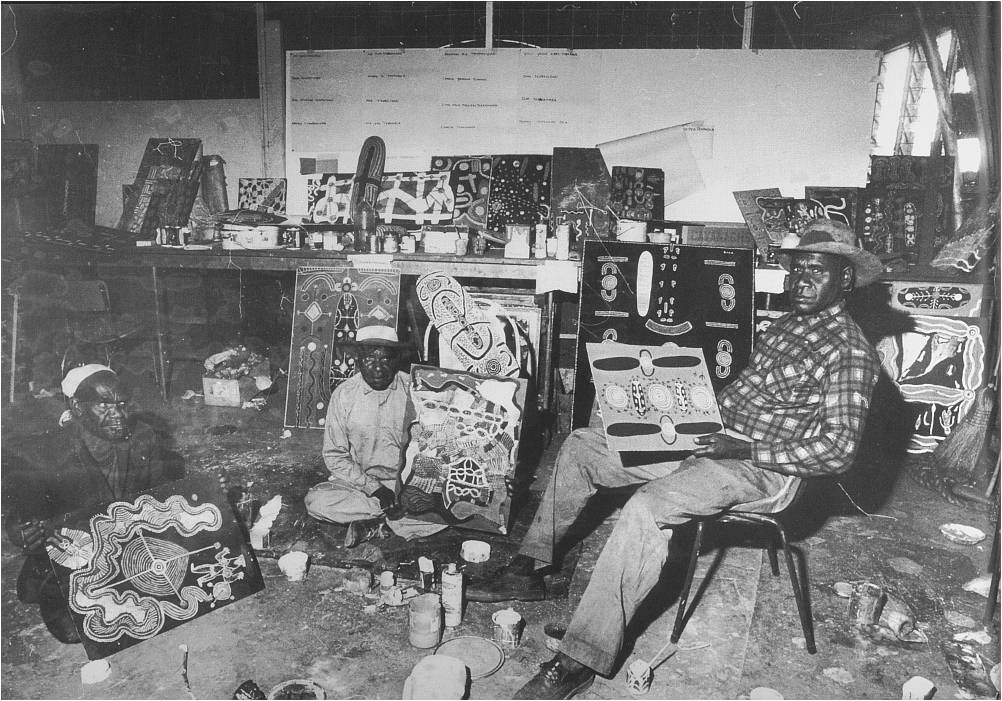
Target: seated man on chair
101, 454
796, 411
365, 436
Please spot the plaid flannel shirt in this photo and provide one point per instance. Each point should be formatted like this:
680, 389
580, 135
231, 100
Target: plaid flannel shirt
805, 394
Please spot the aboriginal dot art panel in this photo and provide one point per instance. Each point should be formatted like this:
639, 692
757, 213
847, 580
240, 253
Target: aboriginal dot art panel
331, 305
938, 367
653, 398
579, 193
262, 194
470, 180
519, 191
651, 294
136, 568
637, 193
464, 442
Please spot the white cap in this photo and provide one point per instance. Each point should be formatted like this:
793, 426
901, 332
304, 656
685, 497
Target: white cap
77, 375
377, 335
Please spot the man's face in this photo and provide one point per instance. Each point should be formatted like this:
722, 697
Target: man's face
817, 281
377, 366
102, 409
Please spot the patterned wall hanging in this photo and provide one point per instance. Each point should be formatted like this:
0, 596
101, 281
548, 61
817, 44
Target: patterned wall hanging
331, 304
408, 199
476, 338
464, 442
137, 568
637, 193
470, 180
649, 294
262, 194
938, 366
836, 203
579, 193
654, 398
519, 191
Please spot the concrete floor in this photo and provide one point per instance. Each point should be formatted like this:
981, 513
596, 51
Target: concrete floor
743, 634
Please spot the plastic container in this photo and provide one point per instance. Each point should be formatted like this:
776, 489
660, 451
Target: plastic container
424, 627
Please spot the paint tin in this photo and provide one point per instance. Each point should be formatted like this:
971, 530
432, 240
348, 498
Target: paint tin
424, 623
452, 595
249, 690
507, 627
386, 580
475, 551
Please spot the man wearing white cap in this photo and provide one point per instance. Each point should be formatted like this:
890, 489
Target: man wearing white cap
365, 436
100, 455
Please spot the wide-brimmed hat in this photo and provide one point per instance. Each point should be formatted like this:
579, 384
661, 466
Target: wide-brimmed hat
827, 236
377, 335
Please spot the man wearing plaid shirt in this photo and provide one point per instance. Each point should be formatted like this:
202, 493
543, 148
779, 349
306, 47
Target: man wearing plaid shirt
796, 411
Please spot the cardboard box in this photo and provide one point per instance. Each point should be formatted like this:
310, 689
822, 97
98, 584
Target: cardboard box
218, 391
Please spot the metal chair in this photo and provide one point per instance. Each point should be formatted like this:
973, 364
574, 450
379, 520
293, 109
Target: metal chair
91, 324
759, 513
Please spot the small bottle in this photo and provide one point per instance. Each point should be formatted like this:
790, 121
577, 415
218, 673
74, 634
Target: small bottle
539, 245
452, 595
366, 227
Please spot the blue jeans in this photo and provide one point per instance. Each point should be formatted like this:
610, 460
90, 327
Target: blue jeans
632, 560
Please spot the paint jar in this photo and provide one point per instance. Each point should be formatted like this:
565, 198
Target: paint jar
386, 580
563, 241
330, 241
424, 627
507, 627
317, 240
426, 566
452, 595
293, 565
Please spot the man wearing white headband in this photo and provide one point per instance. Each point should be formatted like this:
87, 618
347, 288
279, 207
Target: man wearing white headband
365, 436
99, 455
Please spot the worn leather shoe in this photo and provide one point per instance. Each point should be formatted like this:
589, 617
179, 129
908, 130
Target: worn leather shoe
359, 532
509, 586
556, 681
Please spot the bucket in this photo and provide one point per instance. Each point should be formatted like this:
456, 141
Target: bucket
425, 620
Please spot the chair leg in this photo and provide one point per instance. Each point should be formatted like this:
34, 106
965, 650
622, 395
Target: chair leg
800, 593
683, 598
773, 558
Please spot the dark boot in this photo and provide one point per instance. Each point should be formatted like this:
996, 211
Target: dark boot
560, 678
516, 581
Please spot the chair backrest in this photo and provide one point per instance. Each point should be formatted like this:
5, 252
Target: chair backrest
87, 296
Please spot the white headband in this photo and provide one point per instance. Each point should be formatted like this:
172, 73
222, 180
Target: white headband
77, 375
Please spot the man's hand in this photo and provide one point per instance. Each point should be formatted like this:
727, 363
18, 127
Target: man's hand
720, 445
32, 535
385, 496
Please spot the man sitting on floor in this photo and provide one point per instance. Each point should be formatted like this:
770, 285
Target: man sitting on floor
365, 437
101, 455
796, 411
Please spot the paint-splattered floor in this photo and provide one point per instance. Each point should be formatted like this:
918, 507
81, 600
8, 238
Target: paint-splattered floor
743, 634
